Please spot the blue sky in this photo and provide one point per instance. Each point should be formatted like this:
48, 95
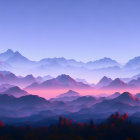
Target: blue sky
79, 29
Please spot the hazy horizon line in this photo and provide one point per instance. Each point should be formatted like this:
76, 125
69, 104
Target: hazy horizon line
67, 58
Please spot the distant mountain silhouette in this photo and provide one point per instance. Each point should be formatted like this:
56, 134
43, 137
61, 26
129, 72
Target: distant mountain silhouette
81, 103
6, 55
116, 84
135, 82
128, 98
133, 63
105, 81
70, 93
4, 87
126, 102
7, 77
105, 62
15, 91
29, 79
33, 85
62, 81
68, 96
23, 106
12, 57
14, 61
85, 100
60, 61
17, 59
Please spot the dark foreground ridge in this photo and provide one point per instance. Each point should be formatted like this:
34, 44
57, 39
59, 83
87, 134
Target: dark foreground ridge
116, 127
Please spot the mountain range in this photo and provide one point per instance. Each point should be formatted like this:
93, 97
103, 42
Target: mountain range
17, 105
68, 96
14, 91
29, 109
63, 81
19, 75
92, 70
7, 77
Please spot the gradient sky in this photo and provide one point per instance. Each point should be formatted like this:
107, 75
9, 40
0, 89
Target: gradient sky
80, 29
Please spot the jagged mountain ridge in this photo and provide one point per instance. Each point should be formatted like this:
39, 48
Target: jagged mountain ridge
61, 81
16, 62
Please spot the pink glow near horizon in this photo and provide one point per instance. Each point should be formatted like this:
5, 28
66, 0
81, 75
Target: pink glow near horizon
51, 93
